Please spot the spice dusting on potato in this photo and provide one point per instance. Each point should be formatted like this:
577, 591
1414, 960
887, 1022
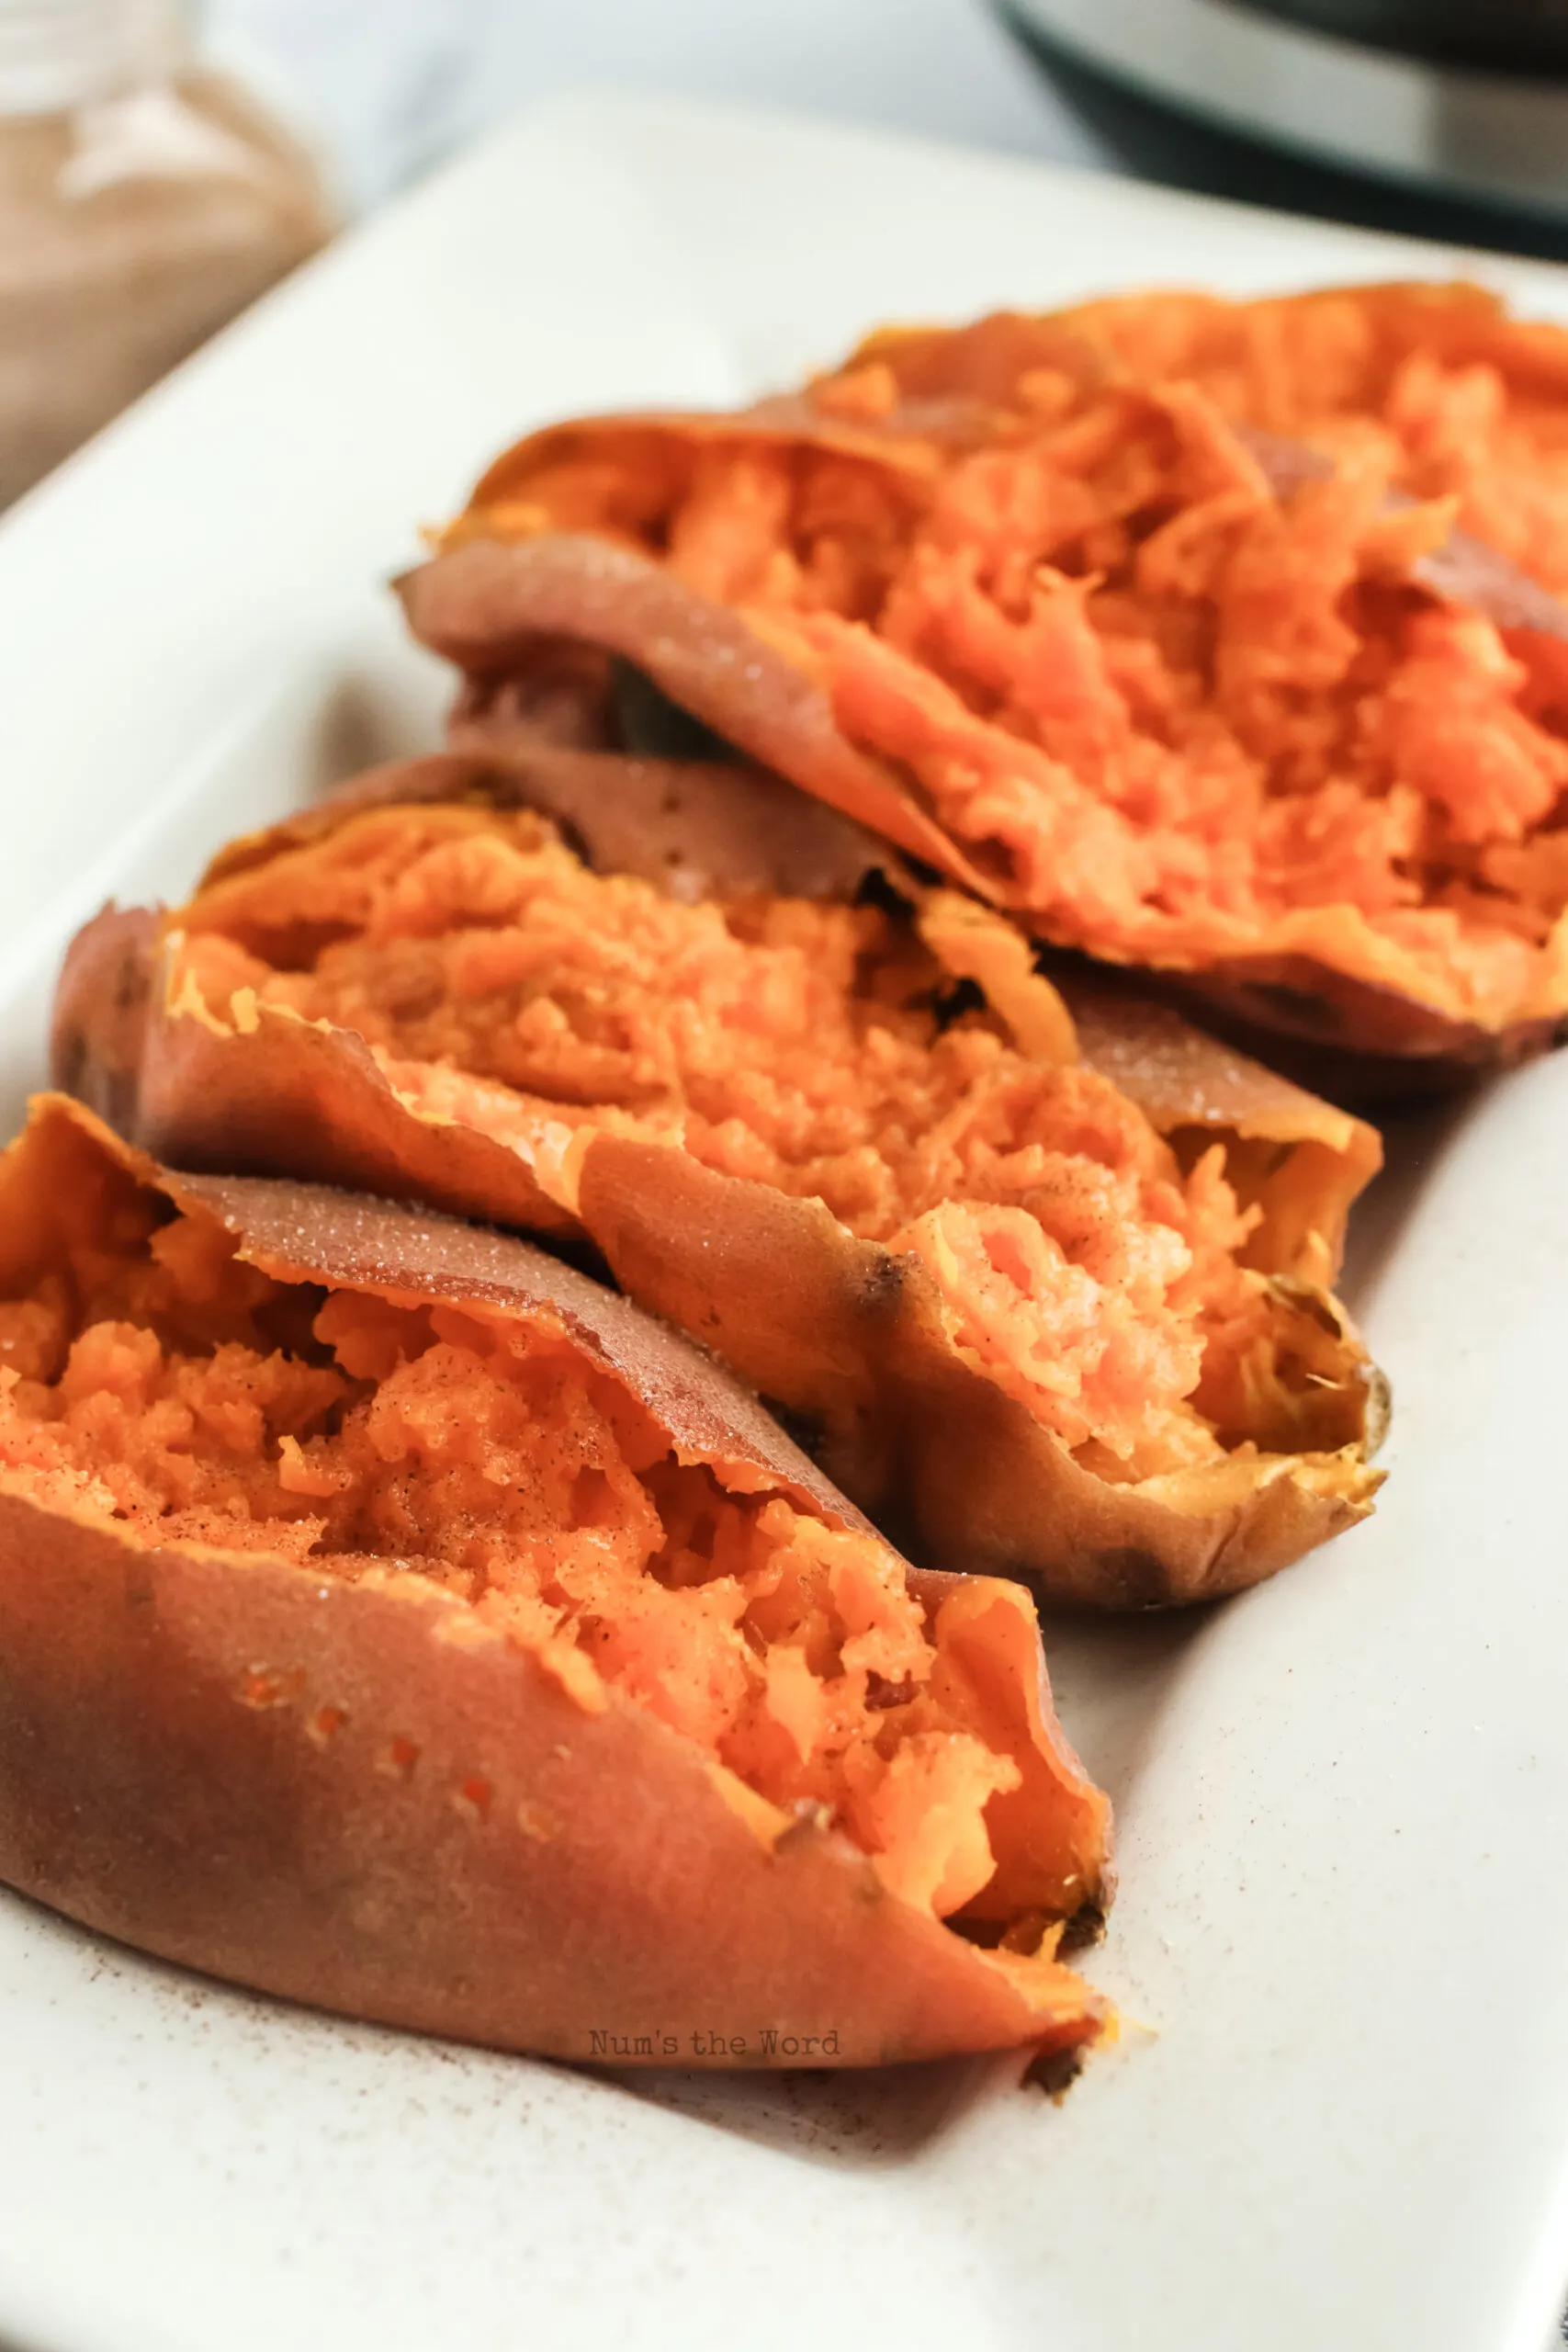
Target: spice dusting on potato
1033, 1337
798, 1046
1043, 587
391, 1617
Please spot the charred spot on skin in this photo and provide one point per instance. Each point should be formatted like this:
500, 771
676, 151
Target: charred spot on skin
397, 1757
882, 1290
1295, 1005
1054, 2071
1083, 1929
880, 1693
1129, 1578
652, 725
808, 1431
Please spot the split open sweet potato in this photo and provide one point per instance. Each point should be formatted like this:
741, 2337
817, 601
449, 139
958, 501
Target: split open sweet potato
844, 1135
393, 1619
1154, 614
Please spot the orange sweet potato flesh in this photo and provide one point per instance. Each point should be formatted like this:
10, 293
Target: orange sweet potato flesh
1192, 1419
388, 1782
703, 830
1275, 728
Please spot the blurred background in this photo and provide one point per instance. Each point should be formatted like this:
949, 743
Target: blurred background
161, 164
394, 83
1444, 116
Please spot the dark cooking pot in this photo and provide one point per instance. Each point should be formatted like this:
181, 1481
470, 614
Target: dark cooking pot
1449, 117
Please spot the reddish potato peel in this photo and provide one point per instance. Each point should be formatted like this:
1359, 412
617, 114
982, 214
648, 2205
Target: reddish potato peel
1181, 689
1316, 982
849, 1334
702, 831
346, 1784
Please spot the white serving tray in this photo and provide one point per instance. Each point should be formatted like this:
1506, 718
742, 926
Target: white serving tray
1340, 2119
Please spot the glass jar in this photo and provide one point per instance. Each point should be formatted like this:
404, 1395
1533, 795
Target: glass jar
143, 203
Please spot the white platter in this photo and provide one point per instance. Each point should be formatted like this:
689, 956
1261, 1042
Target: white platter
1344, 1921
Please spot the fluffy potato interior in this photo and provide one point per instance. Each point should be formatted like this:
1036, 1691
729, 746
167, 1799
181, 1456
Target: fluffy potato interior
818, 1048
1180, 718
150, 1378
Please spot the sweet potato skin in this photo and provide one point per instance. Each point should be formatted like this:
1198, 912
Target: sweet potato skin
363, 1797
284, 1097
98, 1024
1370, 1049
836, 1331
481, 600
850, 1336
693, 831
1303, 1162
468, 1854
851, 1341
483, 607
954, 409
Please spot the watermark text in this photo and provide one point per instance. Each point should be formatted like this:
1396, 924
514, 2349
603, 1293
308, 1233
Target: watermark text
766, 2046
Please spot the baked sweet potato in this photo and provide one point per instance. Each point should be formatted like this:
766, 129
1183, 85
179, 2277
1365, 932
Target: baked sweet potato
394, 1620
1178, 688
1450, 394
846, 1143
